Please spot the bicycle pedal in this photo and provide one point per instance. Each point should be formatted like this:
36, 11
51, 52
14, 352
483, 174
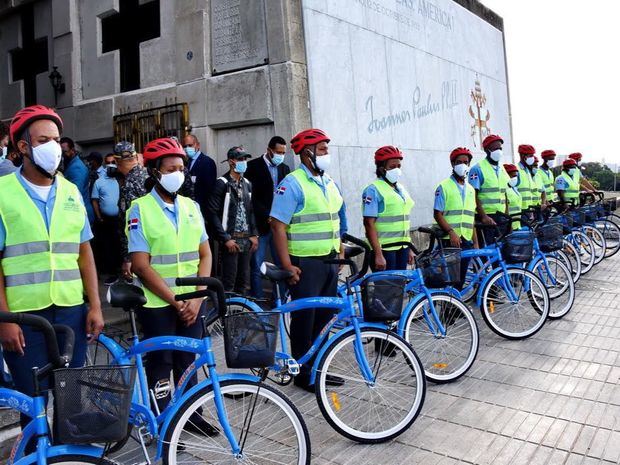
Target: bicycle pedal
292, 366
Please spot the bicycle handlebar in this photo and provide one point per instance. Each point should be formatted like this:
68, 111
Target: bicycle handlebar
367, 250
213, 285
49, 334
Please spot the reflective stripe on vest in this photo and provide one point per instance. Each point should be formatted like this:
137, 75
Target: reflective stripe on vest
459, 213
525, 187
572, 192
492, 193
174, 251
392, 223
548, 180
40, 266
514, 205
314, 231
537, 189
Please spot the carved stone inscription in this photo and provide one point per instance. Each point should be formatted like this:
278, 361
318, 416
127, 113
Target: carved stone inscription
238, 34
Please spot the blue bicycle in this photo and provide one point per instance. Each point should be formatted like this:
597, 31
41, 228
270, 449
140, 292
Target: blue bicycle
37, 432
369, 383
248, 420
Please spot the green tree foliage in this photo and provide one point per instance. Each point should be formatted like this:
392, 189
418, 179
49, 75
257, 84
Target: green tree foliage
600, 175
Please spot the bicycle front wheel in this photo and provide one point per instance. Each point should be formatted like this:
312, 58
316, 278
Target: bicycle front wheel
370, 411
515, 304
598, 240
585, 248
445, 357
571, 259
559, 283
611, 233
265, 423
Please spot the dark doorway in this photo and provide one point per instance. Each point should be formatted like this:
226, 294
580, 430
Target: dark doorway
124, 31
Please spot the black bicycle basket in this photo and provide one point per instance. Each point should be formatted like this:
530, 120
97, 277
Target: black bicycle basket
578, 216
591, 213
518, 247
441, 267
567, 223
610, 205
382, 297
250, 339
550, 236
92, 403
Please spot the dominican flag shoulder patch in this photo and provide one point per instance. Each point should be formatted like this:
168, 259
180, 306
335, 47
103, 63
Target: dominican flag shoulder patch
367, 199
281, 190
133, 223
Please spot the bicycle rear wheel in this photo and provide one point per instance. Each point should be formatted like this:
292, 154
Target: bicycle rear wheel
611, 233
559, 283
571, 258
371, 412
519, 317
274, 430
445, 358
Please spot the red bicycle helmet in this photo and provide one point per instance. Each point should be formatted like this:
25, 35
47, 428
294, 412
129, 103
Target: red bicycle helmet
460, 151
510, 168
26, 116
387, 152
547, 154
164, 147
575, 156
569, 163
525, 149
308, 137
488, 140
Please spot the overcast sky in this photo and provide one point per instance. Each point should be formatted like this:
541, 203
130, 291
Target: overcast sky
564, 74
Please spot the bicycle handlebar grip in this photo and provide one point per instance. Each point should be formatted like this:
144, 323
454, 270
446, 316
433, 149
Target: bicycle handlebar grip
67, 351
214, 285
355, 240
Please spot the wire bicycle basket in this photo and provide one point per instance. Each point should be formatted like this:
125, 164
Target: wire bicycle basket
250, 339
441, 267
518, 247
550, 236
382, 297
92, 403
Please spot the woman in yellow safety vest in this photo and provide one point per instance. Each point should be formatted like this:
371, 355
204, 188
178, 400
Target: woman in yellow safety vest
167, 239
386, 206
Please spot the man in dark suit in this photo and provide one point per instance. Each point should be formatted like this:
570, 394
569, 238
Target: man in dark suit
202, 171
265, 173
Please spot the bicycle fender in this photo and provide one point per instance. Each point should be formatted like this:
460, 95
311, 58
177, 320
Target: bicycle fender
186, 396
65, 449
408, 309
331, 340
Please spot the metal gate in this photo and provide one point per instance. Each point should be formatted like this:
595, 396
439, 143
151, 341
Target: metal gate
145, 125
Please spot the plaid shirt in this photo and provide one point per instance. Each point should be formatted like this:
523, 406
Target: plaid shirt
132, 188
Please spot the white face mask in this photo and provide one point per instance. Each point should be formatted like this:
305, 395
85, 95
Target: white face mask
461, 170
579, 163
512, 182
550, 163
323, 162
571, 171
4, 152
529, 161
496, 155
393, 175
277, 159
47, 156
172, 182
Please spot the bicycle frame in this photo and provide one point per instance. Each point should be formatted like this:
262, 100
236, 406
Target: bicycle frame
140, 407
34, 407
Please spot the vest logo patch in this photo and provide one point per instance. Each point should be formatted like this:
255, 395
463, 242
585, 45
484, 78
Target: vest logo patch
133, 224
367, 199
281, 190
71, 205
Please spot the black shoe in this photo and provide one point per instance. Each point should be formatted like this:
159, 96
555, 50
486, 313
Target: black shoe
199, 425
332, 380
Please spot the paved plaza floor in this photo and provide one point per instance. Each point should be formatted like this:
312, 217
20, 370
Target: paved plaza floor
550, 399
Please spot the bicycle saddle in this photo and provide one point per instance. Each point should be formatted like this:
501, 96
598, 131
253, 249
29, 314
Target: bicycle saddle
273, 272
351, 251
125, 296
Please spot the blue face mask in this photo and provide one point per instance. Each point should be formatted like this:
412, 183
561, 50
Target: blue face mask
190, 151
241, 166
277, 159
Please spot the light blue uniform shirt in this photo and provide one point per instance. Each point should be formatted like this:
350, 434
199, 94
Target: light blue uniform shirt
289, 199
561, 184
372, 201
476, 178
106, 191
440, 196
137, 240
46, 209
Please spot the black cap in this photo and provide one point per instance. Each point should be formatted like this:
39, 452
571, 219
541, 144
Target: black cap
95, 156
237, 153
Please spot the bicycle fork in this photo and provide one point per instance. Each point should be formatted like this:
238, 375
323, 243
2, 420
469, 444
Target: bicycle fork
360, 355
